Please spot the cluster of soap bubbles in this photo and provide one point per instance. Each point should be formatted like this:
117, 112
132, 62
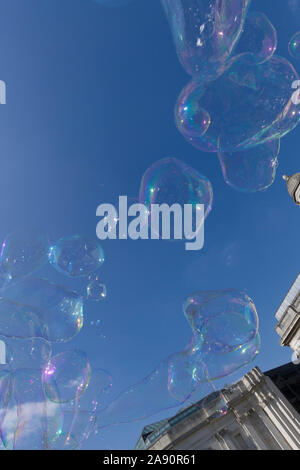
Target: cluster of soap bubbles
225, 338
238, 105
55, 401
47, 401
238, 102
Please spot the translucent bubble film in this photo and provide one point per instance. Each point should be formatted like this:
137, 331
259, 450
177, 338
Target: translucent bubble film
129, 123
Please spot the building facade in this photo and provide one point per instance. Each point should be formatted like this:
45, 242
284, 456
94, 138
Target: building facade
288, 318
261, 413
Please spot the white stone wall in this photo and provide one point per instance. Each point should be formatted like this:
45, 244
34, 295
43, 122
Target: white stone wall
259, 417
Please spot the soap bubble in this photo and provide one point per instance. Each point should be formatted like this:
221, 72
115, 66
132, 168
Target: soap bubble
35, 416
294, 46
23, 253
96, 290
5, 280
26, 353
27, 421
170, 181
220, 365
63, 442
248, 106
225, 338
96, 395
182, 378
191, 119
19, 321
76, 256
259, 39
66, 376
214, 404
205, 33
47, 310
140, 400
171, 384
225, 319
80, 415
5, 394
251, 170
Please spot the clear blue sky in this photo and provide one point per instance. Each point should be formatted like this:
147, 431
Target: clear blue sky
90, 97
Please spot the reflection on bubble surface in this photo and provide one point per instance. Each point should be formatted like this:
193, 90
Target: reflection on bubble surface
23, 253
66, 376
171, 181
294, 46
56, 313
251, 170
96, 290
205, 33
247, 106
76, 256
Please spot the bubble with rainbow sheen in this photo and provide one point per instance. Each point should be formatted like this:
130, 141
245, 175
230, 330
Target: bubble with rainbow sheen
220, 364
205, 33
248, 105
29, 420
171, 181
25, 353
294, 46
76, 256
35, 307
23, 253
95, 289
258, 42
225, 319
66, 376
252, 170
191, 119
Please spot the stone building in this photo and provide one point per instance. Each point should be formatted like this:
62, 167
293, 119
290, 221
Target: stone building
259, 412
288, 317
262, 413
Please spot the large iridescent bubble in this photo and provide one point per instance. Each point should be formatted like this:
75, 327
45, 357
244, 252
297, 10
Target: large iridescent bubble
46, 310
66, 376
28, 421
225, 319
20, 321
294, 46
251, 170
225, 338
25, 353
23, 253
192, 120
220, 365
205, 33
53, 408
248, 106
170, 181
76, 256
259, 39
145, 398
